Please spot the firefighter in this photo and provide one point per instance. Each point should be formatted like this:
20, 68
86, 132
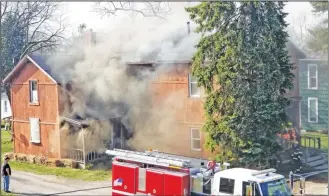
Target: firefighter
297, 159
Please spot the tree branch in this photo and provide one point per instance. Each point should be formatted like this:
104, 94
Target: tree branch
147, 9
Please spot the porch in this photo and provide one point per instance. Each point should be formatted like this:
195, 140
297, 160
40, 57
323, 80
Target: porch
86, 143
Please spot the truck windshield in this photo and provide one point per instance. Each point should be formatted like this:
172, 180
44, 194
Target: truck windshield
275, 188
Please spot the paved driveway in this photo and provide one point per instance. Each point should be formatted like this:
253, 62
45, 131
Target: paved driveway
24, 183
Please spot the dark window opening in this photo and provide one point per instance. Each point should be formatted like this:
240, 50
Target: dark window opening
226, 185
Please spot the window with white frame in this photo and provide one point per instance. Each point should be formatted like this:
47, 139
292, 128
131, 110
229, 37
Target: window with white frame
312, 73
35, 130
5, 106
33, 85
194, 90
195, 139
312, 109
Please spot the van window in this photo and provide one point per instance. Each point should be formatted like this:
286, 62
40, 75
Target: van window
226, 185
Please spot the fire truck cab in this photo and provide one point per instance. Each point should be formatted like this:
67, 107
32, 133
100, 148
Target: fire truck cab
155, 173
240, 181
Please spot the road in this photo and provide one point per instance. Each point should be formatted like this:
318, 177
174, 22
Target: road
24, 183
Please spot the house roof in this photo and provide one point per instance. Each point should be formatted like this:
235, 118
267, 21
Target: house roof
38, 60
299, 53
41, 61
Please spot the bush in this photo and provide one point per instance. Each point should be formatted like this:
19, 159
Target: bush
69, 163
325, 131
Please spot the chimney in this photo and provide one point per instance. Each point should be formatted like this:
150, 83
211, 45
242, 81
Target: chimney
89, 37
188, 27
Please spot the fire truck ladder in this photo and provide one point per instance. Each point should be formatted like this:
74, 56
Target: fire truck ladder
149, 158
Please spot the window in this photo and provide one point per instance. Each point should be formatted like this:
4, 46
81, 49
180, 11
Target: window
313, 109
195, 139
5, 103
35, 130
33, 91
194, 90
226, 185
312, 76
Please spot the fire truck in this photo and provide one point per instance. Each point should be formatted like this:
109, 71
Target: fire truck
157, 173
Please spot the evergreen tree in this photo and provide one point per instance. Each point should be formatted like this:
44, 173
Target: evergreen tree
243, 64
318, 41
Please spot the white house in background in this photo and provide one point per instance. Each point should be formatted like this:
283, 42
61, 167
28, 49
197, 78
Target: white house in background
5, 106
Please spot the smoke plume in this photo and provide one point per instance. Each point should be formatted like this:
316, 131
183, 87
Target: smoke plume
102, 88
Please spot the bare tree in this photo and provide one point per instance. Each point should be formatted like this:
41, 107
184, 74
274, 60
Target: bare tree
28, 27
146, 9
299, 31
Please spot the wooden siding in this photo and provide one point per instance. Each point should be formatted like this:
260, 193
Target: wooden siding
189, 111
48, 146
321, 93
46, 110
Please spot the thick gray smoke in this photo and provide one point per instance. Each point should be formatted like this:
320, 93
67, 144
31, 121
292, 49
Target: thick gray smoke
102, 88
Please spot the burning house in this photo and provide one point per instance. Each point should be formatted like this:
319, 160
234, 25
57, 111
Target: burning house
132, 89
44, 123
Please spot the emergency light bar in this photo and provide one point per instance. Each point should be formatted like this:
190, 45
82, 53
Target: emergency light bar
263, 172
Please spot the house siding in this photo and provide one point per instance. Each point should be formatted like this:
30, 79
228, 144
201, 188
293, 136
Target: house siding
46, 111
321, 93
188, 113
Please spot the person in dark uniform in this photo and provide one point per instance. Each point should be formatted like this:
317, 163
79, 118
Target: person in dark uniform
297, 158
6, 173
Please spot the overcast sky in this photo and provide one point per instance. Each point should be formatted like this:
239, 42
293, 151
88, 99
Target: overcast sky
81, 12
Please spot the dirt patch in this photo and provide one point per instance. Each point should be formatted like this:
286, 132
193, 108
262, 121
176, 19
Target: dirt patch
316, 188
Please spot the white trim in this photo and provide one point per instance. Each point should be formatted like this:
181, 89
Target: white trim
122, 192
31, 92
309, 66
24, 61
190, 87
192, 139
316, 109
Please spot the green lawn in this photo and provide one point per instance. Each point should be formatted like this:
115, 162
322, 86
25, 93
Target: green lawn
79, 174
7, 194
323, 138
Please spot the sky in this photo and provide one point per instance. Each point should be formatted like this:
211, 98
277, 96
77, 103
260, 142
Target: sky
81, 12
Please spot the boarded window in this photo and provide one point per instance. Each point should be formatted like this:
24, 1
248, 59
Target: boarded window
194, 90
35, 130
312, 76
195, 139
33, 91
226, 185
313, 109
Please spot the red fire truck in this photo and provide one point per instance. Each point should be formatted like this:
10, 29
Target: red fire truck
155, 173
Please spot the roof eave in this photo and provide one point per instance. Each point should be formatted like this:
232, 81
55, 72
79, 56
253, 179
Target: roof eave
19, 65
16, 68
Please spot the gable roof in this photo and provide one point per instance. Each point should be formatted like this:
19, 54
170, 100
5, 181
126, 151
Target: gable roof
38, 60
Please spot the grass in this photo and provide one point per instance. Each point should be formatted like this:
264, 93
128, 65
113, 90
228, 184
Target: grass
7, 194
77, 174
323, 138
